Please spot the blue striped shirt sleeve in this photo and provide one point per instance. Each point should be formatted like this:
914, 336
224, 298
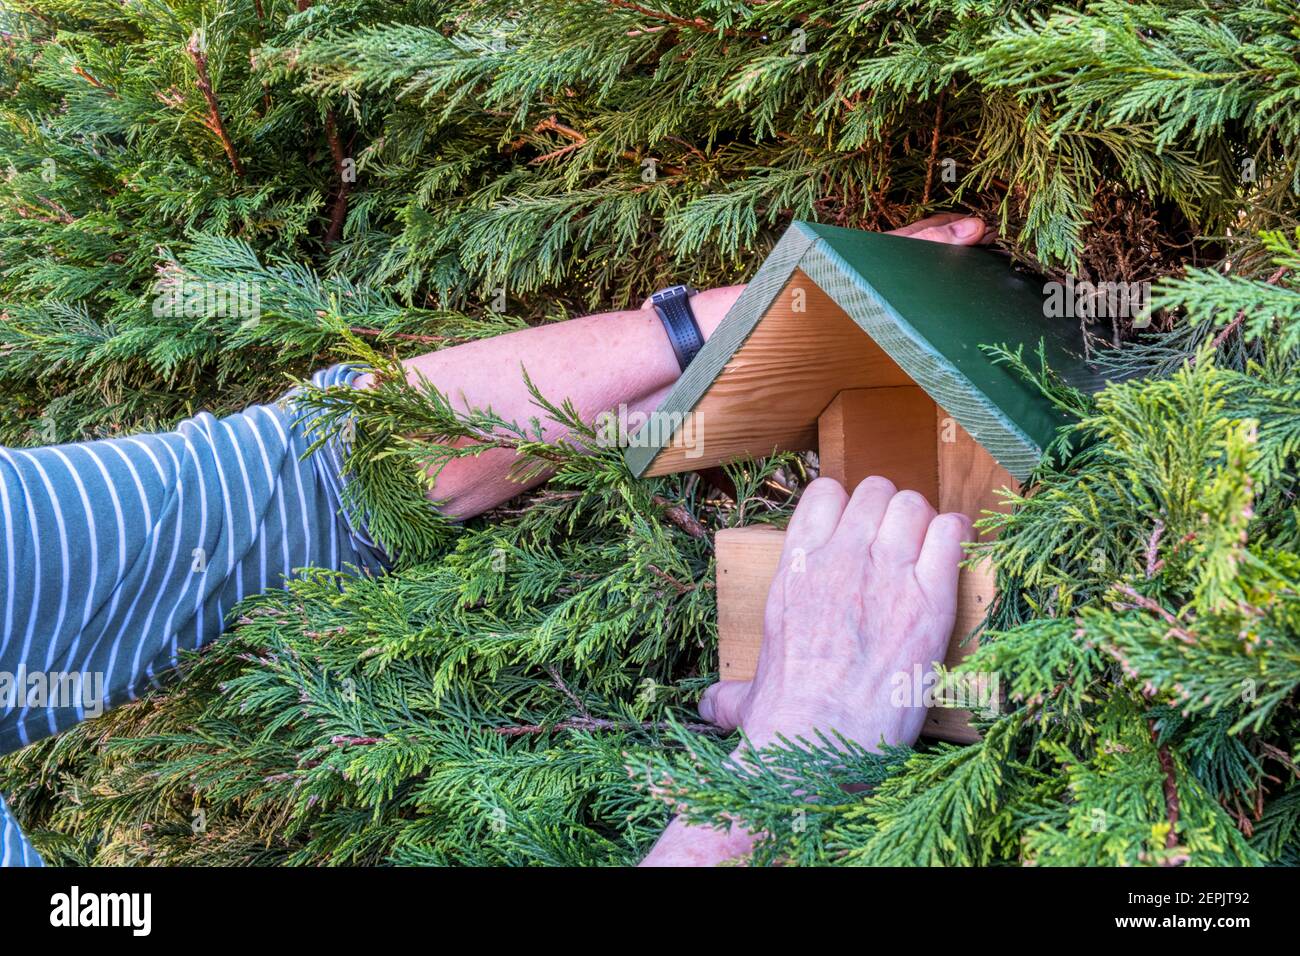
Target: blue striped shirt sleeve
117, 555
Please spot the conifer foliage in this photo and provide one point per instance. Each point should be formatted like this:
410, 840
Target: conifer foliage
385, 178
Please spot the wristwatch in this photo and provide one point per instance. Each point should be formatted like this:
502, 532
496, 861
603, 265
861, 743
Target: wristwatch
674, 307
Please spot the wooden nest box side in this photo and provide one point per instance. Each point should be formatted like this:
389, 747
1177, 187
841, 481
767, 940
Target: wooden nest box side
867, 348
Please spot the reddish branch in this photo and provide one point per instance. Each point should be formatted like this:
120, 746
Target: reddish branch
934, 148
340, 211
585, 721
577, 139
681, 517
1154, 561
405, 336
92, 81
1162, 751
1171, 795
672, 582
596, 723
699, 23
1144, 603
567, 691
252, 54
213, 119
1235, 324
553, 124
1037, 701
65, 217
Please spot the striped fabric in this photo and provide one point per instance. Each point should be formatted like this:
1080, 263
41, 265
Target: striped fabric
117, 555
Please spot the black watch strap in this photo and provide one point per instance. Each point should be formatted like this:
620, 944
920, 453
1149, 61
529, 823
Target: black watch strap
674, 307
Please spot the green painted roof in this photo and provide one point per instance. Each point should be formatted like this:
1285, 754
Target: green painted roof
930, 307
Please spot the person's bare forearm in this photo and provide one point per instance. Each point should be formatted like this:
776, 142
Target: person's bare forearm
598, 362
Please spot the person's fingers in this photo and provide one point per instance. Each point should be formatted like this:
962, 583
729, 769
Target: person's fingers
815, 518
902, 532
936, 566
723, 701
939, 219
960, 232
861, 519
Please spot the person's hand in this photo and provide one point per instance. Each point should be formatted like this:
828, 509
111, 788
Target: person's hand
866, 589
950, 228
711, 305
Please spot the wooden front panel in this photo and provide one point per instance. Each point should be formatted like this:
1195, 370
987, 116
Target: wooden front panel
746, 561
969, 480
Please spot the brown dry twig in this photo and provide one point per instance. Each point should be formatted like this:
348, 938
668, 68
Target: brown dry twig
681, 517
65, 217
568, 692
92, 81
1143, 603
597, 723
698, 23
339, 212
676, 585
1171, 794
1240, 317
934, 148
578, 139
404, 336
1154, 561
213, 120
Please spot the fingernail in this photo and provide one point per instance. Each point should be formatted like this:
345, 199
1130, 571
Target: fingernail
967, 228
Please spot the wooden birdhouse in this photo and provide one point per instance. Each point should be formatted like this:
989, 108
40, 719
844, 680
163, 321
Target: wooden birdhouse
867, 348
